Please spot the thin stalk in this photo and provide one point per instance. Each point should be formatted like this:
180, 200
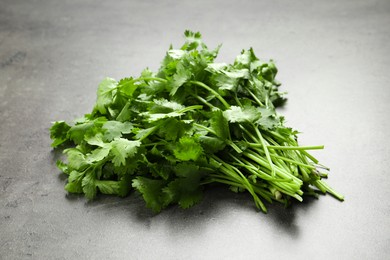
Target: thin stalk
248, 133
311, 157
259, 173
255, 98
298, 148
259, 203
148, 79
237, 100
217, 95
331, 191
278, 171
291, 194
233, 145
277, 161
204, 101
271, 164
189, 108
293, 161
205, 128
230, 170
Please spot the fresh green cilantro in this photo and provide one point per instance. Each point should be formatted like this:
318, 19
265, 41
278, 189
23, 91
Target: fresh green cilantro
168, 134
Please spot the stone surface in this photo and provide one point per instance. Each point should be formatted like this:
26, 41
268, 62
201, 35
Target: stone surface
333, 58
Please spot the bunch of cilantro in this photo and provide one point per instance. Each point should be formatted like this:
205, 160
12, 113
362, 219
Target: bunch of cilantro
193, 123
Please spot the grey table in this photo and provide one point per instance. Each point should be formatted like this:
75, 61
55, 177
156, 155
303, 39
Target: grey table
333, 58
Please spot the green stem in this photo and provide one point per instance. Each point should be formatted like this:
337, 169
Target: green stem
237, 174
189, 108
293, 161
203, 101
311, 157
284, 174
205, 128
331, 191
279, 147
255, 98
217, 95
256, 171
271, 164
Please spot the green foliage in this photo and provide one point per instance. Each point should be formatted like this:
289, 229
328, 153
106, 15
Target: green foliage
105, 94
169, 134
188, 148
58, 132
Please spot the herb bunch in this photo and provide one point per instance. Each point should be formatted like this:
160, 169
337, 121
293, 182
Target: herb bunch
193, 123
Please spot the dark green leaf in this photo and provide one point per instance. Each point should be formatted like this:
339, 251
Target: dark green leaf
151, 191
59, 132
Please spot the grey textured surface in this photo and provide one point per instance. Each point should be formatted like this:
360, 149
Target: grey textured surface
333, 58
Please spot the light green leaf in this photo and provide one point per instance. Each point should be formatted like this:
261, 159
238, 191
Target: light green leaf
165, 106
188, 149
98, 154
115, 129
105, 94
89, 185
76, 159
96, 139
108, 187
127, 87
121, 149
238, 114
181, 76
176, 54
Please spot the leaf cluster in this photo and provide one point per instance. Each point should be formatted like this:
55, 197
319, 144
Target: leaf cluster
169, 134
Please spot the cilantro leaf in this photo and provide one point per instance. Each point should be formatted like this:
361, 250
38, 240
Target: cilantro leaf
121, 149
119, 188
62, 166
105, 94
115, 129
241, 114
185, 190
193, 40
212, 144
188, 149
97, 155
181, 76
89, 185
219, 124
85, 128
151, 191
59, 133
174, 128
76, 159
74, 184
165, 106
96, 139
127, 87
268, 119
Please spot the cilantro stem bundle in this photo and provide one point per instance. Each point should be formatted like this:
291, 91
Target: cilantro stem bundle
195, 122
